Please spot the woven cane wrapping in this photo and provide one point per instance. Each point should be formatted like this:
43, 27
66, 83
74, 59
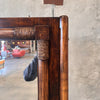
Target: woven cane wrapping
43, 49
24, 32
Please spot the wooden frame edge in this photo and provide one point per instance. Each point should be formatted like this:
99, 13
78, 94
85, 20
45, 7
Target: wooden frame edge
64, 58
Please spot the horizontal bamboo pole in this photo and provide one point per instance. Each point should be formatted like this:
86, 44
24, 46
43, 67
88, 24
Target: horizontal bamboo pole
25, 33
6, 33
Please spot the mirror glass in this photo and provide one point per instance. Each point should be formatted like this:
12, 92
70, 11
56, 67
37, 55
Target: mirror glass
15, 56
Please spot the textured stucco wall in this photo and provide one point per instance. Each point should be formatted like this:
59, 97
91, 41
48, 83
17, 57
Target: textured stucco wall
84, 40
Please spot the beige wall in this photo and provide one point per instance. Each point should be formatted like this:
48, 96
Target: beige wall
84, 40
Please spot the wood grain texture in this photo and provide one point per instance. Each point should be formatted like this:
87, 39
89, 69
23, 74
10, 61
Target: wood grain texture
64, 58
38, 32
54, 45
41, 32
56, 2
43, 67
7, 33
43, 81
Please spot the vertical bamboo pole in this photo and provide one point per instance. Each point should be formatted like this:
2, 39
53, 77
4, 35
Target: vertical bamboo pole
43, 56
64, 58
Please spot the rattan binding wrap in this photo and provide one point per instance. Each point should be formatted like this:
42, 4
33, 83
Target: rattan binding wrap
43, 49
26, 32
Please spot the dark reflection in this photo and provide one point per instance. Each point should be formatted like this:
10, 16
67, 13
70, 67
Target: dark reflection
30, 73
17, 55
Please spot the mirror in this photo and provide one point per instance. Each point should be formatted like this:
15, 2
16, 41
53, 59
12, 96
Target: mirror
12, 65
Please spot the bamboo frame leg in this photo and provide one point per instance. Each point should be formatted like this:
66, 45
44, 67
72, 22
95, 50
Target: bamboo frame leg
64, 58
43, 56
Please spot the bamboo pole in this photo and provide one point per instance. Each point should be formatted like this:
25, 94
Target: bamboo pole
64, 58
43, 81
20, 33
6, 33
37, 32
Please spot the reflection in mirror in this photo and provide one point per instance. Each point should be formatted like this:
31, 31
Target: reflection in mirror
15, 58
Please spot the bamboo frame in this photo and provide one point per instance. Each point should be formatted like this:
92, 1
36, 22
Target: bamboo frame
52, 72
40, 33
